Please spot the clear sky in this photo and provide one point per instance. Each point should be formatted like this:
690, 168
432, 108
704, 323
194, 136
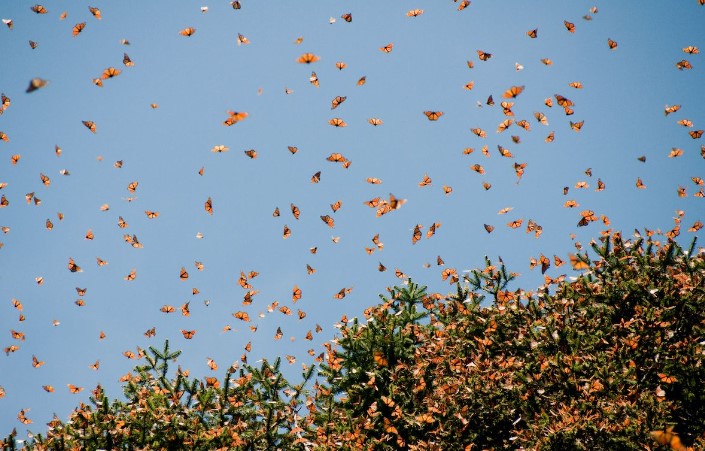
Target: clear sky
195, 81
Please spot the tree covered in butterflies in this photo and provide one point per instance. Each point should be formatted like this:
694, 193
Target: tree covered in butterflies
612, 359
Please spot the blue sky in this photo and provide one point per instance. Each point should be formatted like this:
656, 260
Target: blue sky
196, 80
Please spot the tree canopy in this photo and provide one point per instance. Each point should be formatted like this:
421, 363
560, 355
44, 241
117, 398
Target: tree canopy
610, 359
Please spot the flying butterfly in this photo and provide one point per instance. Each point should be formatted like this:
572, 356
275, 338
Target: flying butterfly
387, 48
308, 58
78, 28
483, 55
433, 115
187, 32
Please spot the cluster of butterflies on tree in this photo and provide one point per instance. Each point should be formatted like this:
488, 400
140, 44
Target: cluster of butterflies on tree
382, 205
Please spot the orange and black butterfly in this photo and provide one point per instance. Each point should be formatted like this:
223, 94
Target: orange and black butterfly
515, 224
576, 126
533, 34
287, 232
35, 84
252, 153
90, 125
667, 437
328, 220
308, 58
110, 73
131, 276
243, 316
611, 44
73, 389
39, 9
78, 28
295, 211
696, 134
33, 44
569, 26
279, 333
183, 275
209, 206
337, 122
22, 416
336, 206
484, 56
187, 32
73, 267
337, 101
513, 92
340, 65
414, 12
95, 12
188, 334
374, 121
347, 17
126, 60
387, 48
433, 115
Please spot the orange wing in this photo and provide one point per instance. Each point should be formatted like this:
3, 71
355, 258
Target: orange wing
308, 58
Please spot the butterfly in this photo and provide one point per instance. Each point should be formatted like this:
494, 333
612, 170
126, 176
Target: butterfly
308, 58
243, 316
73, 267
90, 125
488, 228
569, 26
533, 34
95, 12
279, 333
22, 416
187, 32
337, 122
483, 55
479, 132
667, 437
683, 64
696, 134
328, 220
126, 60
414, 12
241, 39
611, 44
315, 178
433, 115
387, 48
89, 236
188, 334
379, 359
640, 184
691, 49
374, 121
340, 65
336, 206
73, 389
39, 9
287, 232
209, 206
576, 126
337, 101
78, 28
33, 44
34, 84
513, 92
576, 85
131, 276
183, 275
252, 153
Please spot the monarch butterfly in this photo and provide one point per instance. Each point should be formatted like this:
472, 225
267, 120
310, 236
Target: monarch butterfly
667, 437
483, 55
513, 92
187, 32
167, 309
183, 275
546, 61
22, 415
293, 149
48, 388
236, 4
504, 125
36, 362
45, 180
347, 17
611, 44
478, 168
675, 152
336, 157
379, 359
337, 122
671, 109
425, 181
698, 181
34, 84
151, 332
252, 153
151, 214
414, 12
73, 267
78, 28
578, 263
337, 101
131, 276
8, 22
95, 12
243, 316
73, 389
90, 125
279, 333
416, 236
533, 34
285, 310
576, 85
696, 134
576, 125
126, 60
387, 48
287, 232
479, 132
683, 64
308, 58
39, 9
374, 121
132, 187
33, 44
464, 4
241, 39
569, 26
95, 366
666, 379
433, 115
691, 49
469, 85
640, 184
342, 293
336, 206
89, 236
110, 73
328, 220
209, 206
188, 334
